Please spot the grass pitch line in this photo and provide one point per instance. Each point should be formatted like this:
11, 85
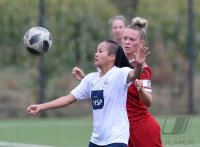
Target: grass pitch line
14, 144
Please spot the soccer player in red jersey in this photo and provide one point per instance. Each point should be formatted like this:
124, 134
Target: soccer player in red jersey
144, 129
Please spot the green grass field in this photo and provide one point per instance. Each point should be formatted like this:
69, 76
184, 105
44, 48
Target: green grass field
35, 132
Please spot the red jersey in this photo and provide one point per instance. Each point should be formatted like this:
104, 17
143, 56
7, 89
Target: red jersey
137, 111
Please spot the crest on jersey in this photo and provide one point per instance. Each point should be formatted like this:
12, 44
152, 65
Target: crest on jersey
105, 83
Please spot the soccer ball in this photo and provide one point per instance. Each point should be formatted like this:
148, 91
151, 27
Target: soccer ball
37, 40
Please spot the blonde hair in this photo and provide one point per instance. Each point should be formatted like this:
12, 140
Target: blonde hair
139, 24
117, 17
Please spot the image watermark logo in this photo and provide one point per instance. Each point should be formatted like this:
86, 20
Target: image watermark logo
176, 130
179, 127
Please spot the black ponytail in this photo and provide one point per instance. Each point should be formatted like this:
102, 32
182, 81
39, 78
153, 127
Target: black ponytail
121, 59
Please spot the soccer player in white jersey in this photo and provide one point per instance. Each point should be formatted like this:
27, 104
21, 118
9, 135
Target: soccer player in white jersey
107, 90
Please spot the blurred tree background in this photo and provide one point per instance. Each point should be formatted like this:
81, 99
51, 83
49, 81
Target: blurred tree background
77, 26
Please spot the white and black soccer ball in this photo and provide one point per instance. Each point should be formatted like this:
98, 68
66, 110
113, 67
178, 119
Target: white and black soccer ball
37, 40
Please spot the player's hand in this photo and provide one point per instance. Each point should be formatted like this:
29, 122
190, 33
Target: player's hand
139, 84
34, 109
77, 73
141, 55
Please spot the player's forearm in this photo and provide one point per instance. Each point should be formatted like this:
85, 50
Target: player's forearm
57, 103
145, 97
135, 73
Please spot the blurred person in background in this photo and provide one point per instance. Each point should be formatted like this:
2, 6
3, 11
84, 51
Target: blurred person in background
117, 24
107, 89
144, 129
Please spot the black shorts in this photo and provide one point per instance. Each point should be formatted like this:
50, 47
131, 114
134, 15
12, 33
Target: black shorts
109, 145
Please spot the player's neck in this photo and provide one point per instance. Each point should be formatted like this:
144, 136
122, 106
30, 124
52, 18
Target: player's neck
130, 57
105, 69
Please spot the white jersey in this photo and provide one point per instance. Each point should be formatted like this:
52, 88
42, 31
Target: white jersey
108, 97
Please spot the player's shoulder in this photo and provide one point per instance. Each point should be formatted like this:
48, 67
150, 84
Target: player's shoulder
146, 72
91, 75
120, 69
146, 67
125, 68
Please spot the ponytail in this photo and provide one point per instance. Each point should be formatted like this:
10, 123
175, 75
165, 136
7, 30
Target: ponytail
121, 59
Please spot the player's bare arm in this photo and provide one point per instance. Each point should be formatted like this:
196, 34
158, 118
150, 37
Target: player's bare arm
145, 96
140, 58
57, 103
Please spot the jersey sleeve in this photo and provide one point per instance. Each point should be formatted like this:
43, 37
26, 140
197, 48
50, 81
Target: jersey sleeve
82, 90
126, 71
